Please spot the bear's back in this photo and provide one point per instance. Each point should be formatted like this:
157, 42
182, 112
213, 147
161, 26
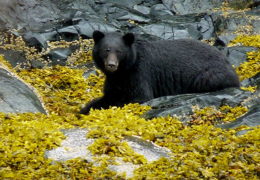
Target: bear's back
184, 50
176, 66
182, 54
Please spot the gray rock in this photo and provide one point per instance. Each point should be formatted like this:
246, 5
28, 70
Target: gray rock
256, 81
133, 17
8, 18
160, 10
18, 59
69, 33
206, 27
253, 81
224, 39
142, 9
126, 3
251, 118
86, 28
149, 150
231, 23
59, 56
237, 54
165, 31
183, 7
150, 3
15, 58
76, 145
255, 20
181, 105
34, 14
237, 21
196, 27
37, 40
16, 96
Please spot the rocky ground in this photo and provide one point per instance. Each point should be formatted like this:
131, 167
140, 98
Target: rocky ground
47, 74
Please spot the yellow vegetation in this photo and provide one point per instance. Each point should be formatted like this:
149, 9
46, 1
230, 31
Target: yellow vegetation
211, 115
251, 67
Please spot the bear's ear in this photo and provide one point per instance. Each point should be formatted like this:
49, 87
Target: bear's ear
129, 39
97, 36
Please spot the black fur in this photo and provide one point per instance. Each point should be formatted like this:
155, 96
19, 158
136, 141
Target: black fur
149, 70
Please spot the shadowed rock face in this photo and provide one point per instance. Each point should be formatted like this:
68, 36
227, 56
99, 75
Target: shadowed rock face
16, 96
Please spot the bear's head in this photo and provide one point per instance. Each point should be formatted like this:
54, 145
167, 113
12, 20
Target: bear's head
113, 52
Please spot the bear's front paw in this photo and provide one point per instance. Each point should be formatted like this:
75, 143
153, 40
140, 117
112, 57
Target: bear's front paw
85, 110
95, 104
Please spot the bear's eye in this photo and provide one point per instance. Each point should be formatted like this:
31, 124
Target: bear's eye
108, 50
118, 52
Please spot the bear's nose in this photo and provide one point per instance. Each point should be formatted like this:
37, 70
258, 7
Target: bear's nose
111, 66
111, 63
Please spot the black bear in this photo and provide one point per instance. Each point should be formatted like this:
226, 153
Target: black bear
138, 70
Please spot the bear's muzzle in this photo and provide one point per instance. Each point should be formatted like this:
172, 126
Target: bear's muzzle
111, 62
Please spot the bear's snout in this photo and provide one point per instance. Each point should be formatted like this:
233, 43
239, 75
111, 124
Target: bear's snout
111, 63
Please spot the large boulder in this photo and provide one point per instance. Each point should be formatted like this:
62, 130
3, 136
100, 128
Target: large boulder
32, 14
16, 96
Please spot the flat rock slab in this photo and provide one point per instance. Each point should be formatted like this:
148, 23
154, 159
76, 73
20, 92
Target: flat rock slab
16, 96
76, 145
251, 119
181, 105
